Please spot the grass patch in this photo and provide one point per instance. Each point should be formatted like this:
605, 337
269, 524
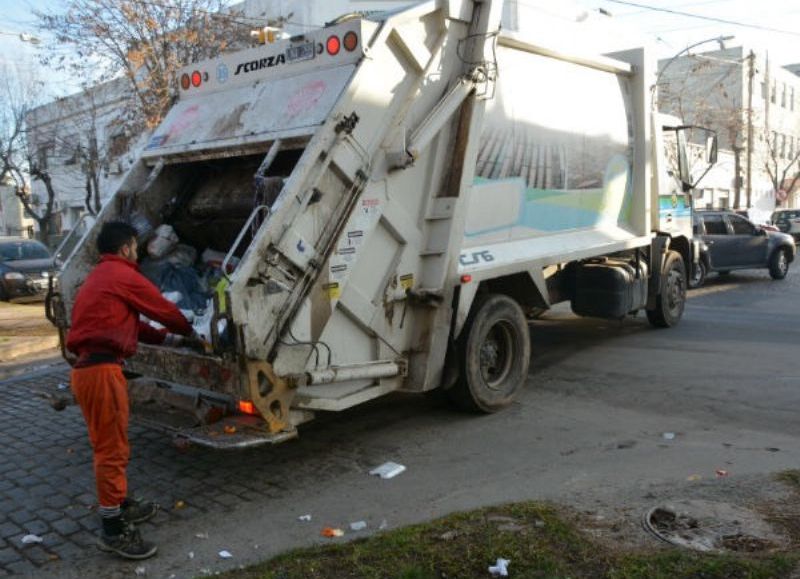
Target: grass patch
537, 540
790, 478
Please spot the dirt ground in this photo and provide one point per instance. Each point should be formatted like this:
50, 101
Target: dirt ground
28, 341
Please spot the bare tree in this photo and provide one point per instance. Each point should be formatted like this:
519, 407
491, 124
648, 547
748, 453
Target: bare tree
702, 91
146, 41
16, 162
781, 164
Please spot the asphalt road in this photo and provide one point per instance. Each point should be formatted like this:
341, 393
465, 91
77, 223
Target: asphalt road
588, 428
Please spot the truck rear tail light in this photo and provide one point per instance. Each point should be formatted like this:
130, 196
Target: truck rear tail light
197, 79
350, 41
186, 82
247, 407
333, 45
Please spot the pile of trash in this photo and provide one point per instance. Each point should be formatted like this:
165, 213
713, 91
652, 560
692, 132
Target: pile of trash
188, 282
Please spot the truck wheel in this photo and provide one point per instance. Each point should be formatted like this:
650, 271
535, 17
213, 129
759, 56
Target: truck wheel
698, 275
778, 264
672, 297
494, 352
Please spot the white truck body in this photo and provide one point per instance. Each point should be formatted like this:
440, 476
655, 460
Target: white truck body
394, 183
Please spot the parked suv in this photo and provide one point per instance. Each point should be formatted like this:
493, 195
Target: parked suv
729, 241
25, 269
787, 221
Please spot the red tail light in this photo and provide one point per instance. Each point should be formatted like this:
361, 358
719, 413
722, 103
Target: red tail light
350, 41
247, 407
333, 45
197, 79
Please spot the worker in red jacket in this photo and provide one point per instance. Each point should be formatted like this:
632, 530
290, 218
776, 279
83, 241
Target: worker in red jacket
105, 330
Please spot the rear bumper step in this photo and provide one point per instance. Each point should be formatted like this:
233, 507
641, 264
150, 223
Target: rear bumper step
230, 433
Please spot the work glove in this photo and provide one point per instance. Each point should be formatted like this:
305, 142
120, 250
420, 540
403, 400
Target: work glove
197, 343
194, 341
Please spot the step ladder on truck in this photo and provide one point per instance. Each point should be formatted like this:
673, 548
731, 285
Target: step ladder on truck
393, 195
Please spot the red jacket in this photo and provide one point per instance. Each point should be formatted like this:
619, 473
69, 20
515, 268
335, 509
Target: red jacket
105, 317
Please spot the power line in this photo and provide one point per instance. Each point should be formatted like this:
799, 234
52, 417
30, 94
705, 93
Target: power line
689, 5
708, 18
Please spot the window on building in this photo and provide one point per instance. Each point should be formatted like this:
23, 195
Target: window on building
764, 90
791, 147
782, 152
773, 92
783, 95
774, 143
45, 150
117, 140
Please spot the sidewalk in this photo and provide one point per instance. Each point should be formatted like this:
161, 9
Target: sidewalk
26, 337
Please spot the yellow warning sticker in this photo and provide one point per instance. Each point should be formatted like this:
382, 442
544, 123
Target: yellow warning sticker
407, 281
334, 290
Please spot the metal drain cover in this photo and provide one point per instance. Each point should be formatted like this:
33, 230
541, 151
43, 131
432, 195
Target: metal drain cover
711, 527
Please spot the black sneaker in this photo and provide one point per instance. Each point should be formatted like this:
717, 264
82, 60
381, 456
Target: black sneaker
128, 545
136, 512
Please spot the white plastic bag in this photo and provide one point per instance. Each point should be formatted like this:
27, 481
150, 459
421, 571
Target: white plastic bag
163, 242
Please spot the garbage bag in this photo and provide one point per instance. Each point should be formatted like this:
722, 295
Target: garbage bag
169, 277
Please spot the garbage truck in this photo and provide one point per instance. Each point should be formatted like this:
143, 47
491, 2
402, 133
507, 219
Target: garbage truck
386, 202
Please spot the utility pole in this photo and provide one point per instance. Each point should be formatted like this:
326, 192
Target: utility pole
751, 73
737, 172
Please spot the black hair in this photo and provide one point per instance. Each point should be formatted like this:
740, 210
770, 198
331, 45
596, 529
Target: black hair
114, 235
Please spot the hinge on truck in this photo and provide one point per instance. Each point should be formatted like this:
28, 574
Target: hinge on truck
431, 298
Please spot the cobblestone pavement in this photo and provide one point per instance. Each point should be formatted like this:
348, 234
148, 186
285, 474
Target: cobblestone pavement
47, 482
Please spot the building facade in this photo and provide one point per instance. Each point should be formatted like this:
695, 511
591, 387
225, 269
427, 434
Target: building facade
75, 137
754, 106
13, 219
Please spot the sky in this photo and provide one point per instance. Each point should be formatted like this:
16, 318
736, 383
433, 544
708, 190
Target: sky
672, 24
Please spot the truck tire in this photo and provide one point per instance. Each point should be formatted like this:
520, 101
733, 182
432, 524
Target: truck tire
672, 295
778, 264
698, 277
494, 354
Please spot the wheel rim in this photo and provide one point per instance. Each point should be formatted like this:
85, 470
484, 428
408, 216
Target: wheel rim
783, 264
676, 292
497, 354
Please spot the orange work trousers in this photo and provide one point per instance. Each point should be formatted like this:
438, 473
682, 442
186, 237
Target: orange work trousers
102, 393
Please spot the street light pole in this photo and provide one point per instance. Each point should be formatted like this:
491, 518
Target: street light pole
720, 39
24, 37
751, 73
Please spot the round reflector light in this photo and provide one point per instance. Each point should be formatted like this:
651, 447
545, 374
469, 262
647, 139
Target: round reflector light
350, 41
185, 81
333, 45
197, 79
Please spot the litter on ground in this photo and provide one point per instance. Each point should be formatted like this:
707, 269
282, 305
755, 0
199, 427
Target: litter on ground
225, 554
358, 526
500, 568
388, 470
330, 532
304, 518
30, 539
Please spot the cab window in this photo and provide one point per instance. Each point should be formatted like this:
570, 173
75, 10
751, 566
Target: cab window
714, 225
741, 226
